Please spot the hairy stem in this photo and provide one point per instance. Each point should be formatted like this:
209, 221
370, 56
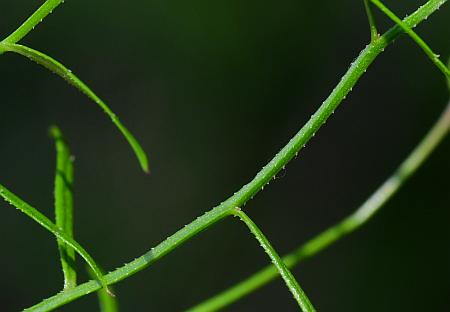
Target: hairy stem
106, 302
341, 229
422, 44
9, 45
42, 220
64, 205
37, 17
294, 287
131, 268
372, 24
356, 70
65, 73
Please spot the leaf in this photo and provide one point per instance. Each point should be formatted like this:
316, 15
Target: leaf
64, 205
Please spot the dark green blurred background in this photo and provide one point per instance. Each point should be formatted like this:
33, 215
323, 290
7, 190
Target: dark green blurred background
213, 89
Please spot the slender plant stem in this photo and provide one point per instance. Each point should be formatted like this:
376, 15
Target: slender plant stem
422, 44
9, 45
348, 225
42, 220
156, 253
294, 287
107, 303
65, 73
356, 70
37, 17
372, 24
64, 205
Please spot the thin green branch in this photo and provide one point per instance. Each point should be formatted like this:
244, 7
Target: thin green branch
348, 225
200, 224
9, 45
422, 44
106, 302
64, 205
294, 287
356, 70
59, 69
37, 17
372, 24
34, 214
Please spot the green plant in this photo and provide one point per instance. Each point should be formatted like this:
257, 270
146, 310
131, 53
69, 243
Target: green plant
63, 206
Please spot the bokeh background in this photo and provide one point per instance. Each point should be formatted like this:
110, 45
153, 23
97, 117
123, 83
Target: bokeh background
213, 89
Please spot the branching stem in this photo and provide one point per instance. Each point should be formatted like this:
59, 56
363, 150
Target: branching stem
422, 44
356, 70
348, 225
289, 279
372, 24
9, 44
43, 221
37, 17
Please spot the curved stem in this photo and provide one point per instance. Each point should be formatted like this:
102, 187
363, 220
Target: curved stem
348, 225
37, 17
65, 73
267, 173
287, 276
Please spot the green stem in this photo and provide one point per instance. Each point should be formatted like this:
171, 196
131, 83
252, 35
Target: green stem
42, 220
287, 276
422, 44
267, 173
64, 205
107, 303
343, 228
65, 73
37, 17
372, 24
131, 268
